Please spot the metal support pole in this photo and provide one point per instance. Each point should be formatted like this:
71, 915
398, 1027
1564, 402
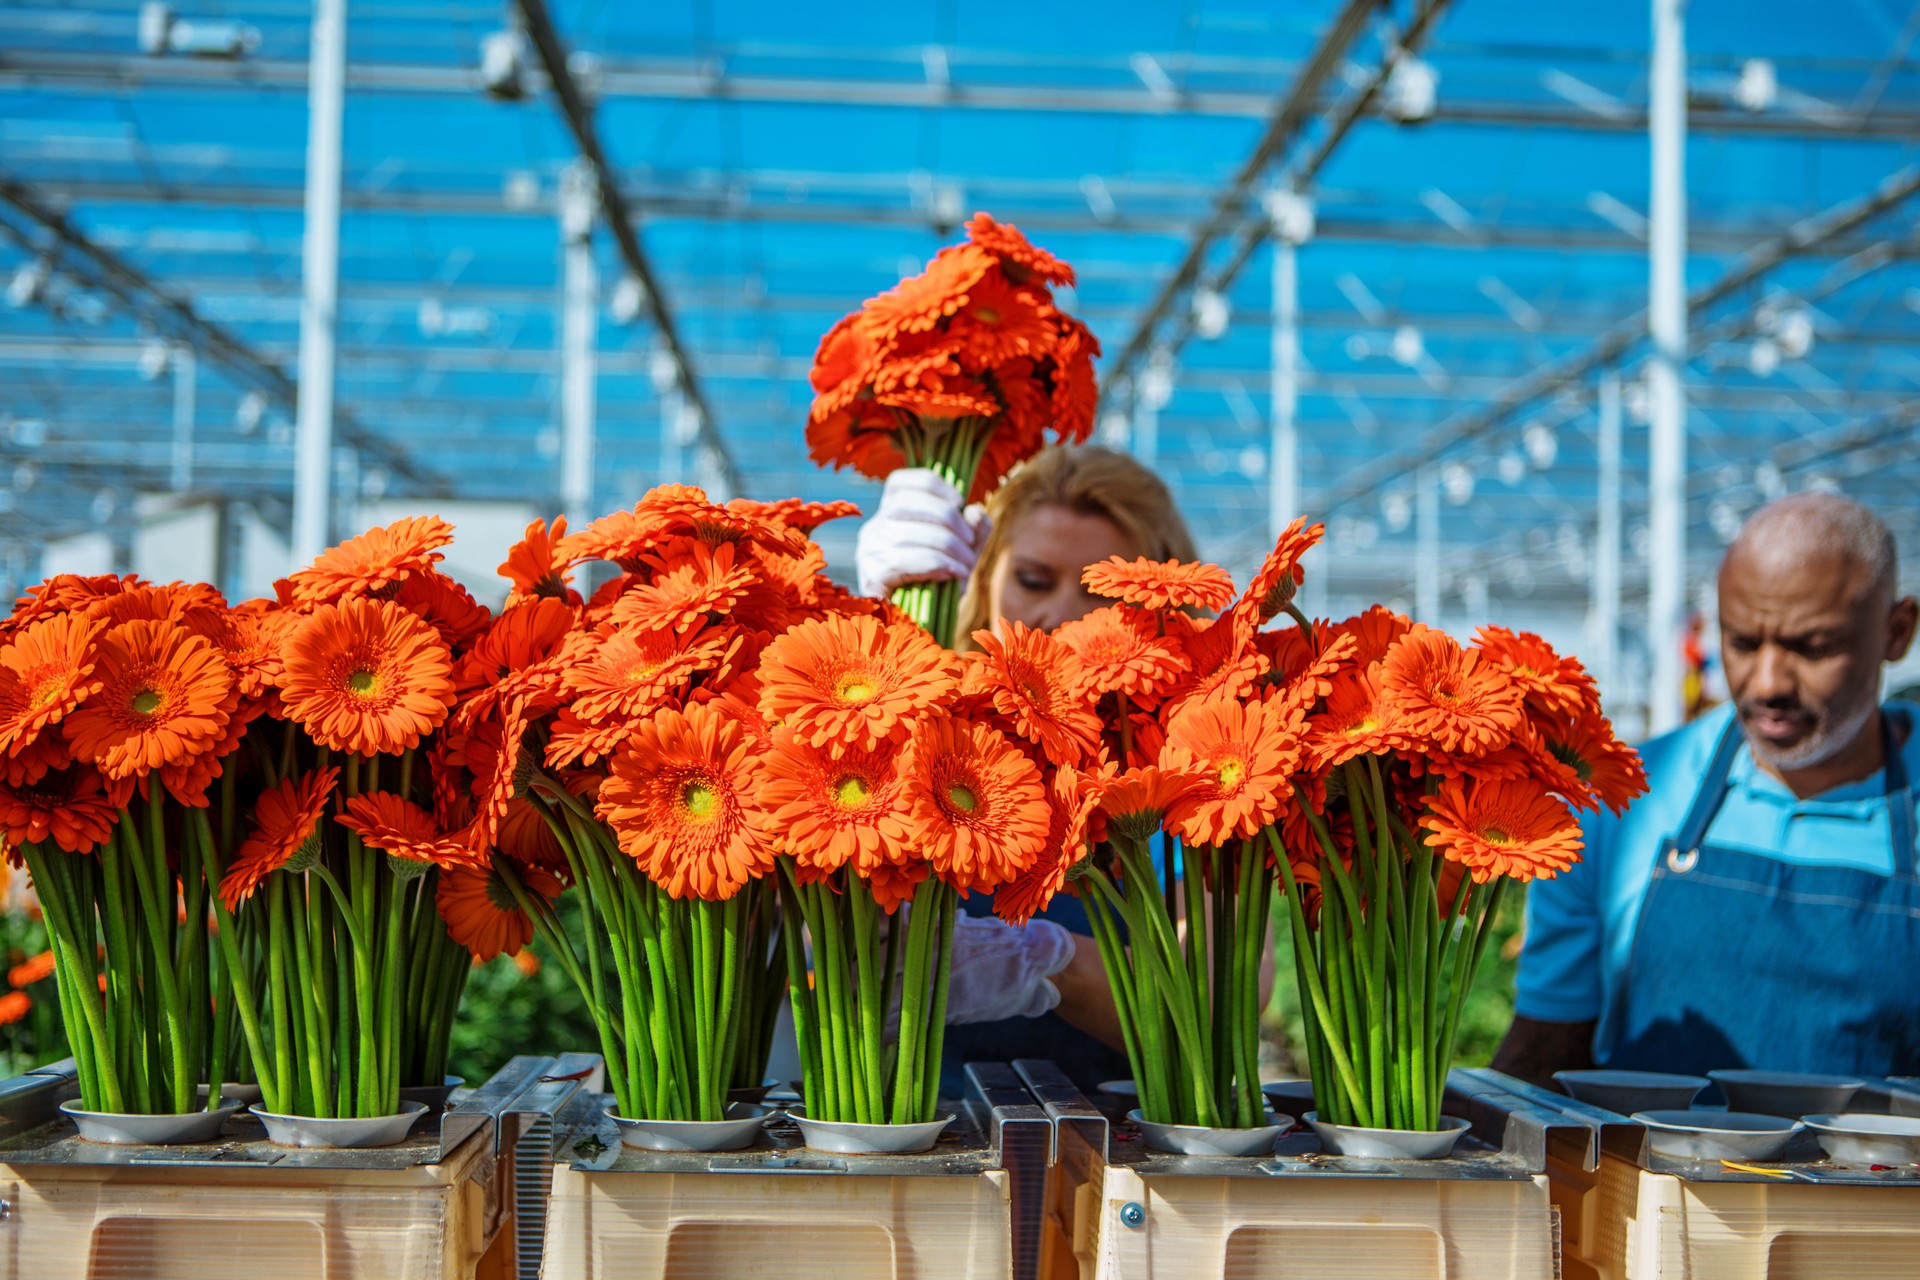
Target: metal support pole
578, 344
1283, 471
320, 284
1603, 610
1426, 556
183, 409
1667, 324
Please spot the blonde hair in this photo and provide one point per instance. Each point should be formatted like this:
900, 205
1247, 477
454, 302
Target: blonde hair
1087, 480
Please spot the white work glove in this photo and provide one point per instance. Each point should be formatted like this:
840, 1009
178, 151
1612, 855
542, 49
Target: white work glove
1002, 970
922, 531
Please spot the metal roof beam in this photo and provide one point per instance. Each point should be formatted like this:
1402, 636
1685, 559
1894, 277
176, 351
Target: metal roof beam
148, 301
695, 80
1285, 126
622, 222
1572, 368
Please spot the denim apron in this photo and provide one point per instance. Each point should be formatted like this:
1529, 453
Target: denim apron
1743, 960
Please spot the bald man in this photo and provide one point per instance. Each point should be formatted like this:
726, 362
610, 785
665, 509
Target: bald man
1759, 907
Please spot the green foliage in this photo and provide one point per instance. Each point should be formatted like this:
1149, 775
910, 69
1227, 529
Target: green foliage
37, 1038
507, 1012
1483, 1021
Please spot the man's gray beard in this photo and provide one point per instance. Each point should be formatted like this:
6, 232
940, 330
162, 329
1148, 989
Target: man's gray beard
1826, 742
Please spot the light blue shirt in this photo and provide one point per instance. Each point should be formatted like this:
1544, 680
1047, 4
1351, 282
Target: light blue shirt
1580, 925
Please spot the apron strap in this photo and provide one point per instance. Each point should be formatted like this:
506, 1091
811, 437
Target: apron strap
1712, 789
1900, 825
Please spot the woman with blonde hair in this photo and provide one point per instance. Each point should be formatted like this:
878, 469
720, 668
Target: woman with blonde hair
1037, 991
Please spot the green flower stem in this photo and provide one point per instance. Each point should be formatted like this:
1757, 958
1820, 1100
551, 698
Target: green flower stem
159, 914
395, 960
122, 998
1467, 963
1247, 913
873, 1010
1316, 991
830, 972
806, 1022
1120, 977
78, 964
921, 922
936, 1029
320, 947
728, 1012
314, 1091
283, 1074
243, 995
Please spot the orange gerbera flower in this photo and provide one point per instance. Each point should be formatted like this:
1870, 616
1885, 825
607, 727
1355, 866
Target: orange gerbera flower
1073, 800
694, 586
1375, 631
679, 797
1002, 322
918, 303
68, 806
285, 818
1355, 722
165, 696
536, 565
830, 810
1272, 588
46, 671
366, 676
1123, 652
31, 970
892, 885
635, 673
795, 513
373, 563
1444, 694
522, 637
250, 642
979, 805
445, 605
1016, 253
853, 681
1134, 802
401, 829
1502, 828
1040, 685
48, 751
1244, 755
1224, 657
683, 509
1585, 745
481, 912
14, 1006
1159, 584
1549, 681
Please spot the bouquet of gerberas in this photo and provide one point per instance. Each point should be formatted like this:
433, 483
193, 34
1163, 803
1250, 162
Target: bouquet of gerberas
1386, 780
611, 743
122, 704
342, 882
1434, 776
198, 791
720, 731
965, 368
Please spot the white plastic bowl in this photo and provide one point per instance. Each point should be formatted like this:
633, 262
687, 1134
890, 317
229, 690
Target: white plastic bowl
741, 1125
1202, 1140
1865, 1138
1717, 1135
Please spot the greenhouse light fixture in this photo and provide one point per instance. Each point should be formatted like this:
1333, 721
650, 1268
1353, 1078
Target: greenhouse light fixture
161, 31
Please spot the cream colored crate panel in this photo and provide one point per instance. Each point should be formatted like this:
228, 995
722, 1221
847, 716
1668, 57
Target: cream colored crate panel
619, 1225
1309, 1227
102, 1222
1636, 1225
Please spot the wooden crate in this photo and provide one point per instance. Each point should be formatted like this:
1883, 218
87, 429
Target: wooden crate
1628, 1223
1117, 1212
969, 1210
245, 1208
